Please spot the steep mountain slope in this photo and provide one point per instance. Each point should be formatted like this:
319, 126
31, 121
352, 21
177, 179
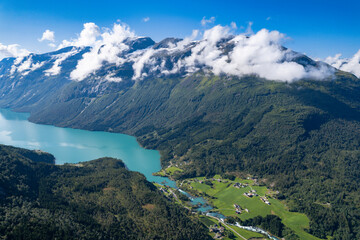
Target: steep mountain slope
99, 199
121, 59
25, 81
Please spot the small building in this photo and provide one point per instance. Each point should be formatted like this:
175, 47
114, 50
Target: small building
248, 195
240, 185
265, 200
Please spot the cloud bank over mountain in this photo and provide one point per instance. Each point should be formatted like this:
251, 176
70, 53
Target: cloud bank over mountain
106, 49
87, 37
346, 64
12, 50
219, 50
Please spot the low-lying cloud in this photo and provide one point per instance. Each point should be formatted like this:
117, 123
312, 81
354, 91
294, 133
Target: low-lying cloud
25, 65
106, 47
220, 50
12, 50
87, 37
260, 54
56, 68
346, 64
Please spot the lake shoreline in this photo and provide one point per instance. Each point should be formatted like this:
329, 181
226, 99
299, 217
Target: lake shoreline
67, 138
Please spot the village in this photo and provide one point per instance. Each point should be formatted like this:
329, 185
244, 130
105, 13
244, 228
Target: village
230, 197
236, 198
199, 186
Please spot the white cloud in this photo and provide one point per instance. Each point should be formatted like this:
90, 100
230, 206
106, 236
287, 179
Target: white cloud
12, 50
87, 37
104, 50
268, 18
205, 21
260, 54
25, 65
48, 36
220, 50
112, 78
140, 62
346, 64
146, 19
56, 68
206, 51
146, 57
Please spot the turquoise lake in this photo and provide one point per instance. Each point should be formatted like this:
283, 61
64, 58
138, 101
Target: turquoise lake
74, 145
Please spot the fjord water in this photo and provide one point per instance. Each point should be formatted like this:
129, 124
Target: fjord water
74, 145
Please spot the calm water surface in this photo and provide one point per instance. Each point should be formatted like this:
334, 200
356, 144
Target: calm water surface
74, 145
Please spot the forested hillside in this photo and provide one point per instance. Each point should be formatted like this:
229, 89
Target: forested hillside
99, 199
302, 137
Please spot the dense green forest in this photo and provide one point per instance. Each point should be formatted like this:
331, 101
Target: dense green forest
301, 138
99, 199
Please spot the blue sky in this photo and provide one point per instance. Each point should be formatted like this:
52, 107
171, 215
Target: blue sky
317, 28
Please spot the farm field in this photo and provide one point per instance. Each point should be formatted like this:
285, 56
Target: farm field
222, 195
